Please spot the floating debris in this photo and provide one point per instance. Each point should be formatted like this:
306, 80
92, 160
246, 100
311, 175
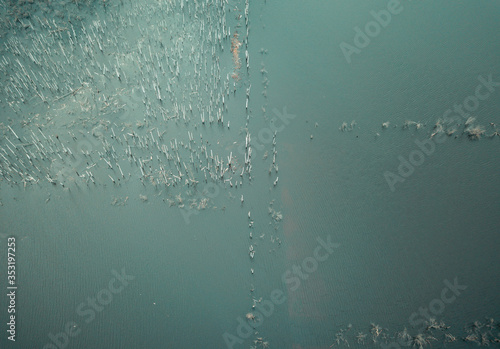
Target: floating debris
112, 113
118, 201
347, 127
474, 132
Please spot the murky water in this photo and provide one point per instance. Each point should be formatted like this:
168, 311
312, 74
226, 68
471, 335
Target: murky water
185, 174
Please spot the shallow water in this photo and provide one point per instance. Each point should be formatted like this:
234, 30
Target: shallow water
184, 238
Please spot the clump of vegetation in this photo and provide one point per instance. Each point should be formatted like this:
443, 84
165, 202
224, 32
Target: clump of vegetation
474, 132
